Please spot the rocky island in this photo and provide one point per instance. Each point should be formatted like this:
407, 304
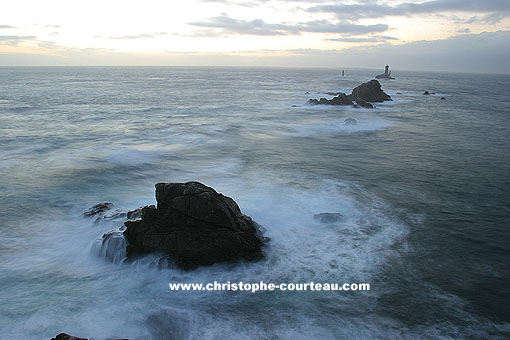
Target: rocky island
192, 224
363, 95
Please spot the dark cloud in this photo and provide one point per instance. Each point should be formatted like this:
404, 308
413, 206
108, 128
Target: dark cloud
486, 52
492, 18
254, 27
497, 9
259, 27
324, 26
385, 37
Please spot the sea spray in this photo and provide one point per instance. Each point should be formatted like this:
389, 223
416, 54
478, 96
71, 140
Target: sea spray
111, 246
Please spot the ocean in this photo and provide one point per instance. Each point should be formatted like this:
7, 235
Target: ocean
422, 183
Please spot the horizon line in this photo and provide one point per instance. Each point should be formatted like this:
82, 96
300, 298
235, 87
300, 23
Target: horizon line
251, 66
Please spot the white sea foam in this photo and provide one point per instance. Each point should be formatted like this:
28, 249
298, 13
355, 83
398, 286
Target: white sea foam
111, 246
301, 249
353, 249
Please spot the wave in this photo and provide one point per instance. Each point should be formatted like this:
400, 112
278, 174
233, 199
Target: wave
365, 123
112, 246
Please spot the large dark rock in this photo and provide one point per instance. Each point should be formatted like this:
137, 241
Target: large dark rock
366, 92
64, 336
135, 213
341, 99
370, 92
195, 225
364, 103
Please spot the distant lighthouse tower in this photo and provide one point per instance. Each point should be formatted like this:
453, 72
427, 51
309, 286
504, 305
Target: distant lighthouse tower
386, 74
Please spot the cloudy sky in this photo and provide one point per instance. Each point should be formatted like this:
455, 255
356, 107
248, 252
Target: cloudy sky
456, 35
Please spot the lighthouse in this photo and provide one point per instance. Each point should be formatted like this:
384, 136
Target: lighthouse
386, 74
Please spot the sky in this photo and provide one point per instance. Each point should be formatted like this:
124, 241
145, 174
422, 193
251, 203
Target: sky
437, 35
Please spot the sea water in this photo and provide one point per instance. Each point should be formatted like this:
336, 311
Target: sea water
422, 184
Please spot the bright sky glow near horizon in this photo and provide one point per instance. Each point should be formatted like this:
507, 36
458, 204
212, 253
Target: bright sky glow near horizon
258, 32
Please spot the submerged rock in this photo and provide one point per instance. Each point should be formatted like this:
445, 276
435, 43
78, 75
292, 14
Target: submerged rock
195, 225
104, 211
328, 217
350, 121
364, 104
100, 208
370, 91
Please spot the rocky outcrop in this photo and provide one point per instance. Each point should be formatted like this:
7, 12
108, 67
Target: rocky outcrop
362, 94
136, 213
104, 211
98, 209
64, 336
195, 225
341, 99
364, 103
370, 91
426, 93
